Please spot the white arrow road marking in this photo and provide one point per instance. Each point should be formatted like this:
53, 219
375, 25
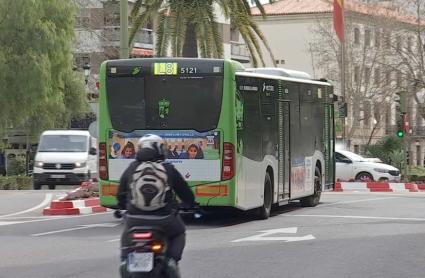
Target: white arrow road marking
265, 236
43, 204
81, 227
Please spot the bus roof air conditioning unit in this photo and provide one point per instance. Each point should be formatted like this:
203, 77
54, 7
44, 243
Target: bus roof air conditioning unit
281, 72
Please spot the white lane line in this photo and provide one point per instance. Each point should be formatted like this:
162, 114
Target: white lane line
43, 204
25, 217
356, 217
61, 231
5, 223
55, 218
80, 227
113, 240
358, 201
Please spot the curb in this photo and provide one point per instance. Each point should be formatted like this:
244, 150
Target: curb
75, 207
378, 187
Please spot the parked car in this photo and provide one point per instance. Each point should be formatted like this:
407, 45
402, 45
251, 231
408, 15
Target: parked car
353, 167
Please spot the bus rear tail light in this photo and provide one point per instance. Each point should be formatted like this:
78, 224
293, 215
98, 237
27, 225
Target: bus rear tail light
228, 168
103, 162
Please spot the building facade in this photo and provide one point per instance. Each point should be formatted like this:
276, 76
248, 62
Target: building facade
301, 37
97, 36
97, 31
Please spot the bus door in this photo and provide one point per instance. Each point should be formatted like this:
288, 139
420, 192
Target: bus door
329, 135
283, 127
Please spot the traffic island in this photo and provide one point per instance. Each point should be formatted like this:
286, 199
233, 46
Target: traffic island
74, 207
376, 187
82, 200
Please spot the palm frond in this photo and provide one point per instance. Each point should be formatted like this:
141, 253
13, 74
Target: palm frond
141, 19
249, 31
260, 34
174, 17
179, 31
250, 48
215, 38
136, 8
259, 6
161, 37
225, 7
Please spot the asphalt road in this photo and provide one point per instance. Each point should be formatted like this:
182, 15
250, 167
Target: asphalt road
347, 235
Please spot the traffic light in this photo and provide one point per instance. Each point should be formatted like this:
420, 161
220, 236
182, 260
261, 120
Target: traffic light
400, 126
342, 109
400, 102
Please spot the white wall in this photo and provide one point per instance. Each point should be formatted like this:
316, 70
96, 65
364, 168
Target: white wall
289, 37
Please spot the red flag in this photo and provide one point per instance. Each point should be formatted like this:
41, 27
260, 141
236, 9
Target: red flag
339, 18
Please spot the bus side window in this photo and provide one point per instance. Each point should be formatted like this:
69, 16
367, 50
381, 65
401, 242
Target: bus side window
239, 111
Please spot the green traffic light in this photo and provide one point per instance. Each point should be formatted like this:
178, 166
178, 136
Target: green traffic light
400, 134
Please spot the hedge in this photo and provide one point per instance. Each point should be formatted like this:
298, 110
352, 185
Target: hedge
15, 183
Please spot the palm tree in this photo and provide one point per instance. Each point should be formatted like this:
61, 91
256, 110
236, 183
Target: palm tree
189, 25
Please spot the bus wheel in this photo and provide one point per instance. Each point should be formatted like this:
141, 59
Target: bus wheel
264, 210
313, 200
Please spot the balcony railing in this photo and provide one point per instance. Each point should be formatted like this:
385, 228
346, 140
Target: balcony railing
144, 38
239, 49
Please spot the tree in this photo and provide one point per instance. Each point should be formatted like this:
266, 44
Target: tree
407, 44
38, 88
187, 25
368, 91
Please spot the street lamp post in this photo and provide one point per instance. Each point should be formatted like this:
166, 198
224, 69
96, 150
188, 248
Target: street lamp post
86, 69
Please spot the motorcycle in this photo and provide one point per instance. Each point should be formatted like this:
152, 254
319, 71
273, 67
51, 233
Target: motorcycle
146, 253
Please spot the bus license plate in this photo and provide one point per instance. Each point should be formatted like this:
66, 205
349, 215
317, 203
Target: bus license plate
57, 176
140, 262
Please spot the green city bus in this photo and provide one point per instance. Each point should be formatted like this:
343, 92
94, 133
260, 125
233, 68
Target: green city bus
242, 138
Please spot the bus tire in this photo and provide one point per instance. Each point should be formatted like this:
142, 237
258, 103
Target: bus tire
52, 186
313, 200
263, 212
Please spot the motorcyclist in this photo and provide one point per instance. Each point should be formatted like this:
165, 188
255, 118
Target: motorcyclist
152, 148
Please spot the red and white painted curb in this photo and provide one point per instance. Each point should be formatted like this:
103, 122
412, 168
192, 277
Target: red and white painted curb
378, 187
74, 207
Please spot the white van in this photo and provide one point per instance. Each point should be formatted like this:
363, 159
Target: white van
65, 157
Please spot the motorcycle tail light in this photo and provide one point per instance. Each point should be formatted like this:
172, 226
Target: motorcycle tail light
142, 235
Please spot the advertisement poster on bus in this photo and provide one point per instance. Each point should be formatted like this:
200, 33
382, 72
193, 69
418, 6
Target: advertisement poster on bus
298, 176
196, 155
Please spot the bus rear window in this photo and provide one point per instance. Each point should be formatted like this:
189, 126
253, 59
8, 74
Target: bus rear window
164, 102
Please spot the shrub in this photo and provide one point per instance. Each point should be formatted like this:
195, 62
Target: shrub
15, 183
388, 149
16, 166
